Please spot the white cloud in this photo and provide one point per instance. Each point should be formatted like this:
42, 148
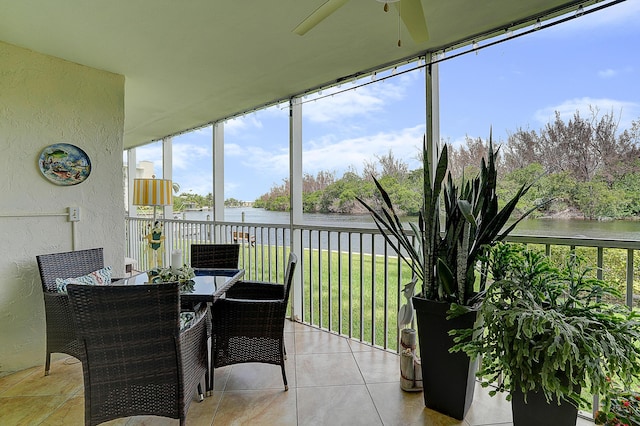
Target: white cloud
626, 111
272, 160
616, 16
335, 105
611, 73
234, 150
339, 155
330, 154
608, 73
237, 125
204, 131
625, 12
184, 155
343, 106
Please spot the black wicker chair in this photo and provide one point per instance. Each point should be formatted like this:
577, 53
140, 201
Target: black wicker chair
137, 360
61, 331
248, 324
215, 255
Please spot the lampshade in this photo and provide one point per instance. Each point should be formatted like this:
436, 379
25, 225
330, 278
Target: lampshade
152, 192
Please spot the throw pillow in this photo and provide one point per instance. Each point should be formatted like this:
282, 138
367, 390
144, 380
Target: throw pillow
99, 277
186, 319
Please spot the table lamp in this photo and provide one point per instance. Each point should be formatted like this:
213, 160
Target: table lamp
152, 192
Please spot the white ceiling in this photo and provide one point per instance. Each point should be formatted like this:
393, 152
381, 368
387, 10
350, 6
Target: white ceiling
191, 62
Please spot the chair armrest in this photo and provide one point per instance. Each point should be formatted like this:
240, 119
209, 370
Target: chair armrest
199, 322
256, 290
194, 350
57, 308
57, 301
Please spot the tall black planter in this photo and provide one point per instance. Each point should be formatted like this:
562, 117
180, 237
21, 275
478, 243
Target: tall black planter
537, 411
448, 378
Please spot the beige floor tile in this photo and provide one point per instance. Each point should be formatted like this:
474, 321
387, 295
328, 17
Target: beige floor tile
332, 380
360, 347
261, 376
378, 366
69, 413
327, 370
336, 405
486, 409
290, 343
397, 407
8, 381
220, 377
320, 342
290, 326
142, 421
301, 328
28, 410
259, 407
202, 413
63, 378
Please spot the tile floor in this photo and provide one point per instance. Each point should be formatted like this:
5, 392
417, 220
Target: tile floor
332, 381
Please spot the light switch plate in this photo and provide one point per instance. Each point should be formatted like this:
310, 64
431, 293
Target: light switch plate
74, 214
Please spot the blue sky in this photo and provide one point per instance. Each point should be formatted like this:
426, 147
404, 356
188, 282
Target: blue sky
590, 62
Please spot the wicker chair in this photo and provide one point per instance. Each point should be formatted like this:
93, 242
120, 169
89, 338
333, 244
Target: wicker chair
248, 324
215, 255
137, 360
61, 331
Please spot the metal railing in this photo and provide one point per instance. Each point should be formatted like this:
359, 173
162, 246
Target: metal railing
351, 278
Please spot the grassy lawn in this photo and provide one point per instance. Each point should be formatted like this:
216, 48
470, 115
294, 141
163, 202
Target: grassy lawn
359, 302
352, 303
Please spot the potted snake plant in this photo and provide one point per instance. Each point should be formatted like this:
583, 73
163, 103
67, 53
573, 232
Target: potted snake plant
444, 257
548, 332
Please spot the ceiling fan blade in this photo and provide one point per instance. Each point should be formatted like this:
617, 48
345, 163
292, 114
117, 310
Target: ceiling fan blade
318, 15
412, 15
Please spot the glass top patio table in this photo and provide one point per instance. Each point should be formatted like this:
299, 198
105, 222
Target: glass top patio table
209, 284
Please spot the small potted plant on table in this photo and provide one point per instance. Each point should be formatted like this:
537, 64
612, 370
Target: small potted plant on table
182, 275
548, 333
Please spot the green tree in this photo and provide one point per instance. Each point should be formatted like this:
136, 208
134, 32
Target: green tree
596, 200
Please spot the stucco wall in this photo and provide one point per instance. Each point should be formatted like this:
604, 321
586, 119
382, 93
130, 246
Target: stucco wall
46, 100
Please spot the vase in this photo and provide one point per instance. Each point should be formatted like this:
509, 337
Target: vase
448, 378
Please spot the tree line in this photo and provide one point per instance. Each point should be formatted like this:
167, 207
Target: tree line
585, 167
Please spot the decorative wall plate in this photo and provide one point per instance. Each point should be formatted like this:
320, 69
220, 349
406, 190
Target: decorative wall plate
64, 164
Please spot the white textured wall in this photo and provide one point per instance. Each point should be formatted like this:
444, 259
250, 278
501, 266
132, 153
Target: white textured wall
45, 100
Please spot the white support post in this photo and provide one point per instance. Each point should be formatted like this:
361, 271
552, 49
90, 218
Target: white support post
167, 170
432, 90
132, 163
218, 174
295, 188
167, 173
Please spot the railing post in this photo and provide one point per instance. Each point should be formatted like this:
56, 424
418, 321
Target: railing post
630, 278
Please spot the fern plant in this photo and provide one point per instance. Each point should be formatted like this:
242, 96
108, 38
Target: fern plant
549, 328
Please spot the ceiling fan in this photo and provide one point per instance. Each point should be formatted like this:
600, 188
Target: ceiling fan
410, 11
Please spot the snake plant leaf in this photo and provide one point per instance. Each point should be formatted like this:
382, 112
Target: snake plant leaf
466, 209
446, 279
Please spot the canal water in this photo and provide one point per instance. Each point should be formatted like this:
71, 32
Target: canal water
615, 229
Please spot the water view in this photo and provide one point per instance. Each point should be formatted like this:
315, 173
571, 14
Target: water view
615, 229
